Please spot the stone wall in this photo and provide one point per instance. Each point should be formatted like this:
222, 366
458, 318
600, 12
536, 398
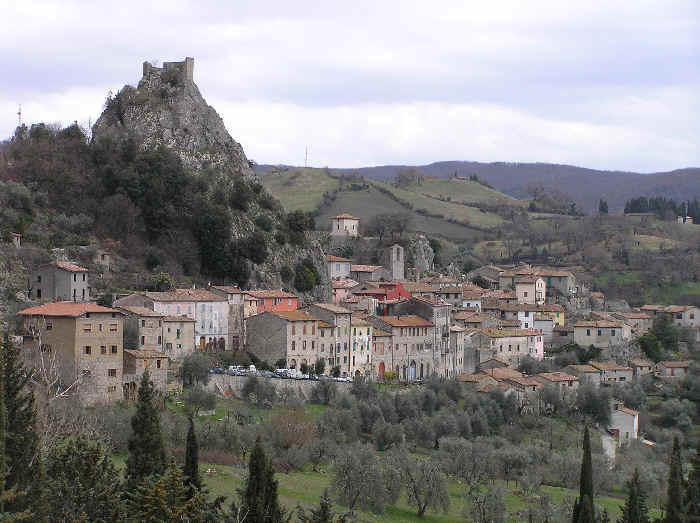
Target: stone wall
232, 385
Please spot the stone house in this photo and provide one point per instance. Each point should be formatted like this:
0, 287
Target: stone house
345, 225
208, 310
471, 299
360, 360
601, 334
641, 368
545, 325
367, 272
512, 345
526, 313
236, 314
419, 289
474, 320
562, 336
341, 319
338, 267
274, 300
342, 290
412, 355
381, 348
672, 369
178, 336
143, 328
88, 341
291, 336
561, 280
136, 362
684, 316
450, 294
438, 282
395, 261
250, 306
563, 381
433, 310
460, 345
640, 322
530, 289
60, 281
654, 310
611, 372
586, 373
624, 423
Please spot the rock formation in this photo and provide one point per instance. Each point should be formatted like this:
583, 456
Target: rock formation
167, 109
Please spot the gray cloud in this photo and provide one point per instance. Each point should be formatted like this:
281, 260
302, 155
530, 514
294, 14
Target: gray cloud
600, 85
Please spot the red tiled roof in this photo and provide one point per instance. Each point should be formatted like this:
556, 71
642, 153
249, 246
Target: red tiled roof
557, 376
271, 293
346, 216
142, 311
344, 284
230, 289
365, 268
298, 315
409, 320
608, 365
333, 308
674, 364
184, 295
71, 267
66, 308
331, 258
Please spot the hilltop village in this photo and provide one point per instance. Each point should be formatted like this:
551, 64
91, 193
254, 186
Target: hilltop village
488, 329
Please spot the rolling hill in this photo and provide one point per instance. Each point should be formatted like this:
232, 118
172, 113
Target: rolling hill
585, 186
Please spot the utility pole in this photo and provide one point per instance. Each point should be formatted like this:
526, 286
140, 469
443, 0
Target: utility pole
306, 156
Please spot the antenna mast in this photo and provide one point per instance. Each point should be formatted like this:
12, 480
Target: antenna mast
306, 155
19, 114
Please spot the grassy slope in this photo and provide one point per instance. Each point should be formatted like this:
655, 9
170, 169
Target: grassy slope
371, 202
299, 189
456, 211
667, 293
466, 191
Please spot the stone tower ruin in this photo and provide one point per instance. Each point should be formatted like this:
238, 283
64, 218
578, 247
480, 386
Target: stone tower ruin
395, 261
185, 69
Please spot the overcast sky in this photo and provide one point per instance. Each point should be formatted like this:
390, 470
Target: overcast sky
611, 85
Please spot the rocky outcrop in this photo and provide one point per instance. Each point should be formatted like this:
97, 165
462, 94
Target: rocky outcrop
421, 253
167, 109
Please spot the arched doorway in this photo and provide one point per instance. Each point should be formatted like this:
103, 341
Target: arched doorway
404, 373
222, 345
358, 374
202, 342
382, 369
412, 371
421, 371
293, 364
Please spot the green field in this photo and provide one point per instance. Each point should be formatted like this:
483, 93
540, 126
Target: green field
465, 191
456, 211
664, 293
299, 189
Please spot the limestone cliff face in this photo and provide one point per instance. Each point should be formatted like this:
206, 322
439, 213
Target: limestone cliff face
421, 253
167, 109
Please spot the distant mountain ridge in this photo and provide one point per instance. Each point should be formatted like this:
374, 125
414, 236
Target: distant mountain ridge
585, 186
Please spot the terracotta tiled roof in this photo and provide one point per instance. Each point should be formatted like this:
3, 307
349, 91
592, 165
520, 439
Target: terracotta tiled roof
346, 216
470, 294
66, 308
525, 381
230, 289
142, 311
336, 309
633, 315
599, 324
331, 258
270, 293
408, 320
344, 284
184, 295
658, 308
71, 267
412, 286
365, 268
583, 368
502, 373
608, 365
679, 308
298, 315
557, 376
641, 363
178, 318
432, 301
377, 333
674, 364
496, 359
503, 333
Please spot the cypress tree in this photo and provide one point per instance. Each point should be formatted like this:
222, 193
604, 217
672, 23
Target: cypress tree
692, 490
674, 501
21, 441
635, 509
146, 450
191, 471
583, 507
322, 514
260, 503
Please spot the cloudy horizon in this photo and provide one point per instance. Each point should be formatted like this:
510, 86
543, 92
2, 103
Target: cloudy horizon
614, 87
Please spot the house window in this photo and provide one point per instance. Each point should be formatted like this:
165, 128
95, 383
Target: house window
113, 349
103, 349
112, 388
75, 278
303, 329
83, 293
313, 345
159, 340
158, 364
588, 332
323, 347
38, 278
38, 293
143, 323
143, 340
88, 350
525, 294
113, 327
49, 325
112, 373
83, 277
99, 327
612, 332
600, 332
87, 327
294, 345
177, 333
294, 328
303, 345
